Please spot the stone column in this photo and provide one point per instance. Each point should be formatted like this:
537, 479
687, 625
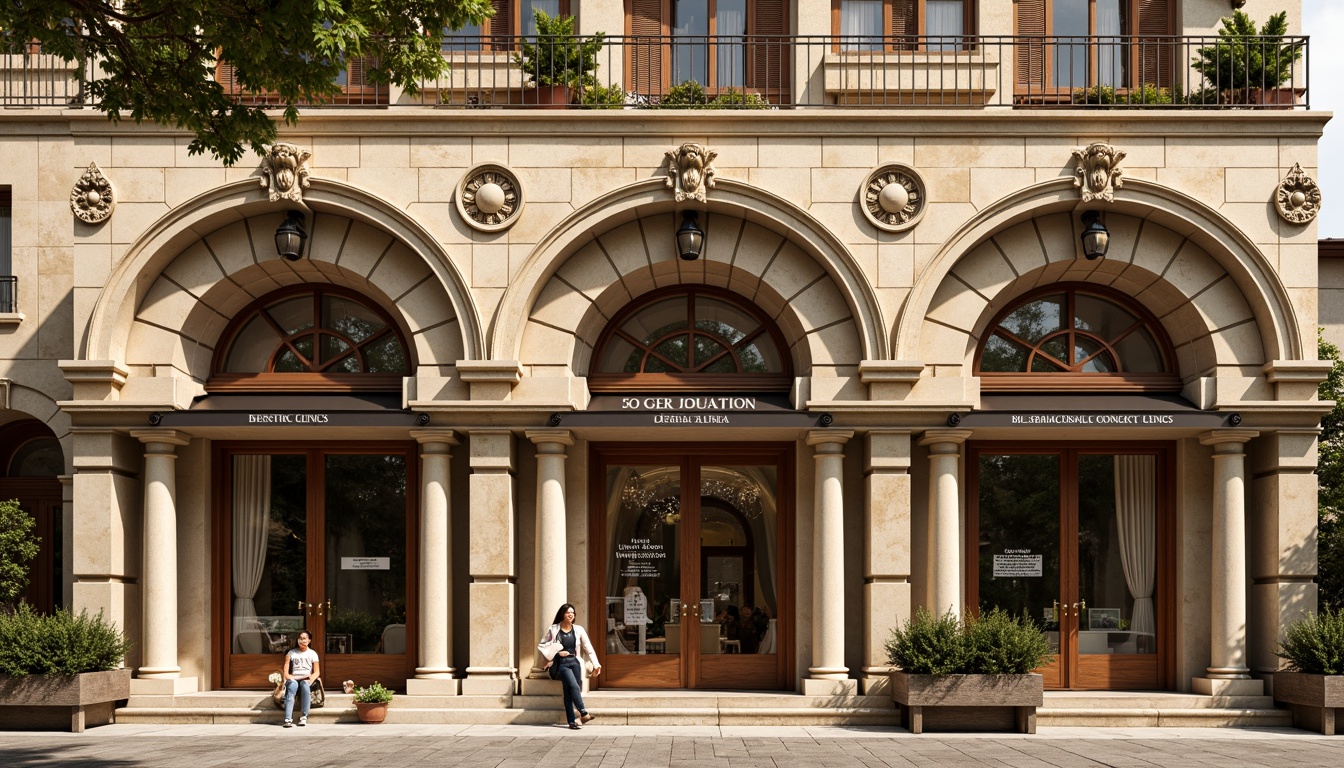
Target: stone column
435, 674
493, 664
828, 674
944, 553
159, 571
886, 552
1228, 673
552, 570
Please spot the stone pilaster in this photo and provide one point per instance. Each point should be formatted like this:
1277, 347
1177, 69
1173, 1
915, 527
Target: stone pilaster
435, 673
886, 551
944, 553
828, 674
551, 561
493, 666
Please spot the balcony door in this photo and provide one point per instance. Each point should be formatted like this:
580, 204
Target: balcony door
1078, 538
692, 549
318, 539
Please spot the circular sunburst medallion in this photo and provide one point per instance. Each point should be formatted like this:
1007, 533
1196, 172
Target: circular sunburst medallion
1298, 197
893, 197
490, 198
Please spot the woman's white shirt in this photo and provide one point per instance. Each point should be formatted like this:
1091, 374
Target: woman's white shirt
582, 644
301, 663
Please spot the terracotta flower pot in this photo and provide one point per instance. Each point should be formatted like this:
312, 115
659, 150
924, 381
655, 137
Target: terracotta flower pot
547, 96
371, 712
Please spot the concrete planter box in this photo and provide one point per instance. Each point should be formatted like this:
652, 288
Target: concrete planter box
55, 702
1316, 701
968, 702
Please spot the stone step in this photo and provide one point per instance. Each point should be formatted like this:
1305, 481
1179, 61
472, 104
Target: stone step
1139, 700
493, 716
1177, 717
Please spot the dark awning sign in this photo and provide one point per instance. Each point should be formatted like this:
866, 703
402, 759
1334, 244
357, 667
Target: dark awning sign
702, 410
1112, 419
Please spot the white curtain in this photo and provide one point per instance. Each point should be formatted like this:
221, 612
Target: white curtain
945, 19
731, 22
549, 7
251, 523
861, 19
1109, 54
1136, 521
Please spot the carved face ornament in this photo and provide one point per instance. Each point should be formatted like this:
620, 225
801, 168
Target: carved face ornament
690, 171
1098, 171
285, 172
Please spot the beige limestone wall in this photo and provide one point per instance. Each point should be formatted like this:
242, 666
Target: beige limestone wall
195, 572
1194, 515
1331, 301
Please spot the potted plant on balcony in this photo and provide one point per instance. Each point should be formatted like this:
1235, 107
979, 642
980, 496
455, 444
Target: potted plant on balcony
1247, 65
59, 671
1313, 684
557, 62
955, 675
371, 701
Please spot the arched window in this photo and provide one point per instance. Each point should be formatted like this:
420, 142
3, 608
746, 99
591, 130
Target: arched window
312, 337
691, 338
1076, 337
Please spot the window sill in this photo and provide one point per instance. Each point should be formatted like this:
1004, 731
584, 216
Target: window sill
10, 319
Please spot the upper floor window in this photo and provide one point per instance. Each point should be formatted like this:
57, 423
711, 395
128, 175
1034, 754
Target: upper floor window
863, 24
691, 338
512, 17
719, 44
8, 281
1076, 337
1098, 43
312, 337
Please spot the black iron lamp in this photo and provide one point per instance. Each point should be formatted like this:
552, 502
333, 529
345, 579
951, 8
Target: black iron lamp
289, 236
1095, 237
690, 237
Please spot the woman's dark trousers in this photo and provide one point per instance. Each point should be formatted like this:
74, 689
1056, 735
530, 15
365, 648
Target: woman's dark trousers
571, 680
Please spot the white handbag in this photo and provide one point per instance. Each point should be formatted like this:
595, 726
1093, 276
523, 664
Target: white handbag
549, 649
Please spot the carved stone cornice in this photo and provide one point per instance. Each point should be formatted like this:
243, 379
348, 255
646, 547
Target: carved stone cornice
690, 171
284, 171
1098, 171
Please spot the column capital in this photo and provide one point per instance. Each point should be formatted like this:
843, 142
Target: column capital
166, 436
829, 437
953, 436
1221, 436
551, 437
435, 436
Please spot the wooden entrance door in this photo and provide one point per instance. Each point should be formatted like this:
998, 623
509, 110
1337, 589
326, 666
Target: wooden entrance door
692, 562
1079, 538
318, 539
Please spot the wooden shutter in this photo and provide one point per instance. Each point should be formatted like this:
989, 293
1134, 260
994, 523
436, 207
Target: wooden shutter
769, 50
644, 55
1029, 56
904, 24
1157, 52
502, 22
224, 76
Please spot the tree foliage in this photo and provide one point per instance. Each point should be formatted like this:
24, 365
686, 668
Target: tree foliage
1330, 476
155, 59
18, 546
1248, 57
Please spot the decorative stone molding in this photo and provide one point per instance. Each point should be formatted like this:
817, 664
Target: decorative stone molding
490, 198
1298, 197
285, 172
893, 197
92, 199
1098, 171
690, 171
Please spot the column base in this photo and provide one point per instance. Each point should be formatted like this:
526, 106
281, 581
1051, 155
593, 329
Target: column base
489, 686
1213, 686
875, 683
813, 686
164, 686
433, 686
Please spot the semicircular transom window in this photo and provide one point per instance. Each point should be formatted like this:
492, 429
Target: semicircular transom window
313, 338
1082, 338
691, 338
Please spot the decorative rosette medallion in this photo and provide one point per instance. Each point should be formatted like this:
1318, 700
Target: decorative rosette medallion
893, 197
92, 198
490, 198
1298, 197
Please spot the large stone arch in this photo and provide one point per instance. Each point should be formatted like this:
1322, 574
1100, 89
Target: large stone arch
621, 246
179, 284
1185, 261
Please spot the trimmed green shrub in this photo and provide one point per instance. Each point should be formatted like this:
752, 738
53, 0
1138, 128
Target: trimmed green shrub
996, 643
732, 98
603, 97
18, 546
1245, 57
1002, 644
557, 56
1315, 645
373, 694
60, 644
687, 95
1149, 94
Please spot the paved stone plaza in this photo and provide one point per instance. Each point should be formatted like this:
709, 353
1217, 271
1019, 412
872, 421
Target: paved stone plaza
123, 746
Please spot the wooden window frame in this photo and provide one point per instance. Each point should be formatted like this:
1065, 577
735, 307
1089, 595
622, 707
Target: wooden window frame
1133, 56
1019, 381
968, 17
781, 381
270, 381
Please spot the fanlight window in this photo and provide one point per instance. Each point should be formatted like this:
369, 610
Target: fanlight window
698, 338
1075, 338
312, 338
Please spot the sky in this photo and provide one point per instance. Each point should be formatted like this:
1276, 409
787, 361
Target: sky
1321, 18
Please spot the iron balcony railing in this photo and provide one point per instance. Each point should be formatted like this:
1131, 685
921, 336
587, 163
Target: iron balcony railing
752, 72
9, 294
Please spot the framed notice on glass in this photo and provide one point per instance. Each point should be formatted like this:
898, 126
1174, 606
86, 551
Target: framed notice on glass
1103, 618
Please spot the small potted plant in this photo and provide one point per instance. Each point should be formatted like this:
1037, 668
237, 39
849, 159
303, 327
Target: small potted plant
557, 62
957, 669
371, 701
1248, 64
1313, 684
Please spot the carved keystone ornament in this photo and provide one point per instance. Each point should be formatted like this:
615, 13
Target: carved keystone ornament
893, 197
1098, 172
285, 172
92, 198
489, 198
1298, 197
690, 171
